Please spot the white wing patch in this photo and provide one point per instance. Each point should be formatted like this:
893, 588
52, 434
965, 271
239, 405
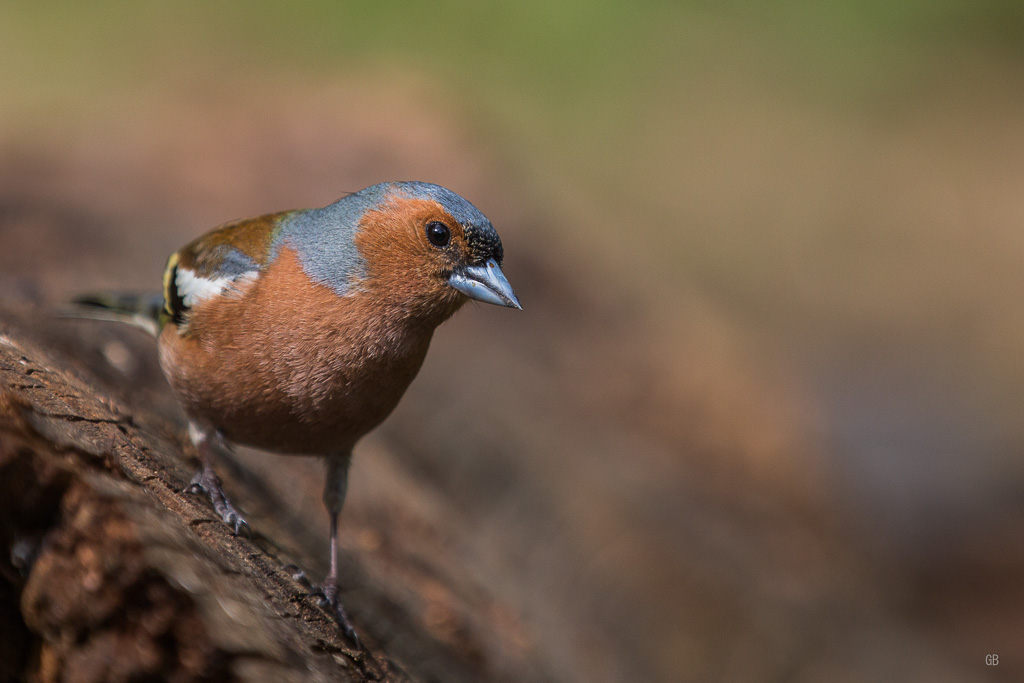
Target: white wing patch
195, 288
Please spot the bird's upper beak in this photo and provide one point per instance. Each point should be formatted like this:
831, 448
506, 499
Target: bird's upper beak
486, 283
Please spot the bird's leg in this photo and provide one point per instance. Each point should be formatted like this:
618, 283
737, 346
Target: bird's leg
206, 479
335, 487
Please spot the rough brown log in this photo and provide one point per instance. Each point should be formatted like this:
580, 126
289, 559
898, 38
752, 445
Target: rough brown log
114, 574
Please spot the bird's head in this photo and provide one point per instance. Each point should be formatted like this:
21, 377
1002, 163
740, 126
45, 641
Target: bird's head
424, 245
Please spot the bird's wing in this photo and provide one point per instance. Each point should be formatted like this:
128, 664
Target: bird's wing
220, 263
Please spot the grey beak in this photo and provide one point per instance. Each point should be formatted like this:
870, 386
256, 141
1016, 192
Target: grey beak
485, 283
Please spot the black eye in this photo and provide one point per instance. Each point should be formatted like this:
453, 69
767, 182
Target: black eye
438, 233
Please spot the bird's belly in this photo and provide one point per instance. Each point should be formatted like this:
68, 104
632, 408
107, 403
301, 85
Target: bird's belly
290, 401
333, 422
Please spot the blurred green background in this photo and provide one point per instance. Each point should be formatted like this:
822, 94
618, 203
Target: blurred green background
783, 236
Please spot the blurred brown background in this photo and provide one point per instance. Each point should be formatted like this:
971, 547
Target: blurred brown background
761, 417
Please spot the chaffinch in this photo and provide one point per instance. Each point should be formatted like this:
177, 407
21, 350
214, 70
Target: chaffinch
298, 332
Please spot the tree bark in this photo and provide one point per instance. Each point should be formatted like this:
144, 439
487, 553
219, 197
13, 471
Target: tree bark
114, 574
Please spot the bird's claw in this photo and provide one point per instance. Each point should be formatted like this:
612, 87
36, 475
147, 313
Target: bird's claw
328, 594
194, 487
300, 578
206, 481
240, 524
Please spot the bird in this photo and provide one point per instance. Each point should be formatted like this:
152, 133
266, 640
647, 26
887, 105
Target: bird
298, 332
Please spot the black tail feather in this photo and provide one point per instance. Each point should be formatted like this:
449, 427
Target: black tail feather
141, 310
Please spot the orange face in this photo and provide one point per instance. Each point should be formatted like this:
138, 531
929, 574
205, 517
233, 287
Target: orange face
416, 252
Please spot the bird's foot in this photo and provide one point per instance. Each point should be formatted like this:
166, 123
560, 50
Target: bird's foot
206, 481
300, 577
328, 593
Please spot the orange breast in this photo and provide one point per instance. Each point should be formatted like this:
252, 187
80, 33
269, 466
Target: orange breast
292, 367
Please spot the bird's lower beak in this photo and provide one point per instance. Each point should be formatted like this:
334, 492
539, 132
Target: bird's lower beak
485, 283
